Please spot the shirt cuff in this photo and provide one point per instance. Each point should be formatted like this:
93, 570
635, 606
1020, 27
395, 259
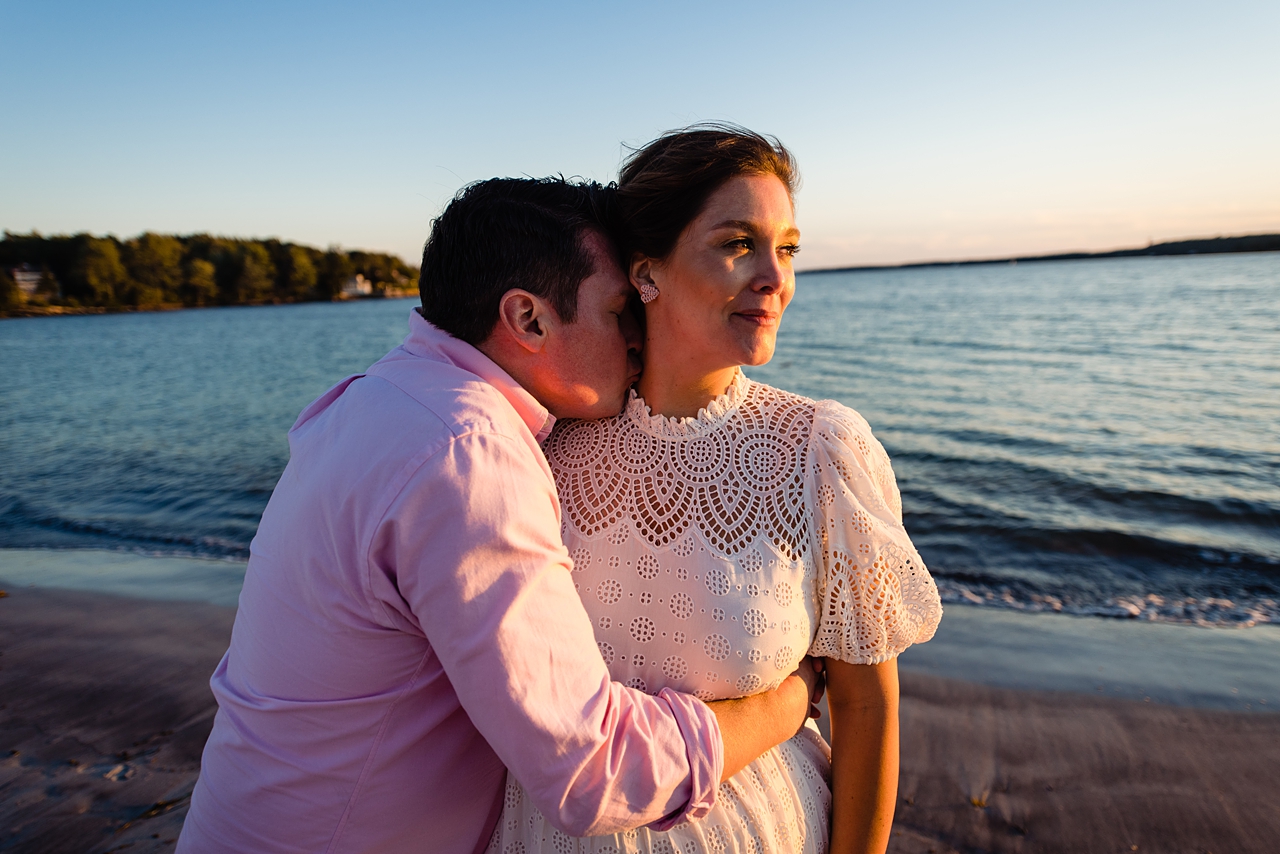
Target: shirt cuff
705, 751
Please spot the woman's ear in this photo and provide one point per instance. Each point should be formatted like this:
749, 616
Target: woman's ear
523, 317
641, 271
642, 278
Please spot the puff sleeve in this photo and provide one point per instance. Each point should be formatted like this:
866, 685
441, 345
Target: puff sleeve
874, 595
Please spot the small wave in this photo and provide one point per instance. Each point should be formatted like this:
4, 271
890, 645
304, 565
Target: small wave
984, 439
1024, 480
22, 526
1208, 611
988, 537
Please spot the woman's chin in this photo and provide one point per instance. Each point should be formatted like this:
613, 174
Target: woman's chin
753, 348
759, 354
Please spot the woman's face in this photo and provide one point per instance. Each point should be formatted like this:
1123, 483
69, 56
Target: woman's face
724, 287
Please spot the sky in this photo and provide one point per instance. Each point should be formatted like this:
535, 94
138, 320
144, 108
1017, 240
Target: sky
924, 131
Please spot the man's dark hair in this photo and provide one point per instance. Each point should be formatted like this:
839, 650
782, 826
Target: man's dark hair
509, 233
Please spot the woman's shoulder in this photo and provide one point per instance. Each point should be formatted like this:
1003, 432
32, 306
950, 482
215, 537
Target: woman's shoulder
844, 452
838, 443
758, 397
844, 426
828, 419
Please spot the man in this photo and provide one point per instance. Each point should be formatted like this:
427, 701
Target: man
409, 626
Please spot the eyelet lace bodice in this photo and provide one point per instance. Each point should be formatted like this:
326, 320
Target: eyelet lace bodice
713, 552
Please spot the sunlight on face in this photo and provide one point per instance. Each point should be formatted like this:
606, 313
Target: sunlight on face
727, 282
592, 361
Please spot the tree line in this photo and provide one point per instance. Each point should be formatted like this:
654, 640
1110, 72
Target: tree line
162, 270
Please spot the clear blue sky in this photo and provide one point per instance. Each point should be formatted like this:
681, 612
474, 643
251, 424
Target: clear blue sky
923, 130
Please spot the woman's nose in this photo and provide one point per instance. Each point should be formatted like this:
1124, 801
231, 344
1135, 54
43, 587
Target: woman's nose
771, 276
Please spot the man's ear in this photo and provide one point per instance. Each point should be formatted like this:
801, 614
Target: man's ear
524, 317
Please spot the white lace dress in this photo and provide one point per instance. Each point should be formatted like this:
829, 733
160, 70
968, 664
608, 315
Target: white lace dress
712, 554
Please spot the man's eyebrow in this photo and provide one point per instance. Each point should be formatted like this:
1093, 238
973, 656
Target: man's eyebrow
743, 225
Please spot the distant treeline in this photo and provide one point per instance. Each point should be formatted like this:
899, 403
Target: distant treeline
159, 270
1199, 246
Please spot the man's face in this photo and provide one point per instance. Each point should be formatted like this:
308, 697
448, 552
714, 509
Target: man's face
591, 362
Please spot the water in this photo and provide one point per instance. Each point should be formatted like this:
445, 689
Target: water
1093, 437
166, 432
1088, 436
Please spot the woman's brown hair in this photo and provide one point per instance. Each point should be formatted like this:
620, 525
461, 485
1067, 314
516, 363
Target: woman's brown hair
664, 185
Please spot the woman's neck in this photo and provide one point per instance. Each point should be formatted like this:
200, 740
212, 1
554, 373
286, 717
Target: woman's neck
676, 389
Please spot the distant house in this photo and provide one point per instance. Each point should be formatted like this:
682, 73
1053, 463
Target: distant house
27, 277
357, 286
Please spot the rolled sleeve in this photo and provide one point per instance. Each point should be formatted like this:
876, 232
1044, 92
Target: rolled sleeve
469, 552
705, 755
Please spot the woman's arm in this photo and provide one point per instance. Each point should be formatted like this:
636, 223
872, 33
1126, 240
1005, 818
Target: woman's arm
863, 700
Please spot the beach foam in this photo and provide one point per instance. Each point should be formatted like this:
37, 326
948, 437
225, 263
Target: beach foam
1243, 611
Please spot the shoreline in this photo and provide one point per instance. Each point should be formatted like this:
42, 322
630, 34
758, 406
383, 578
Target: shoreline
1174, 663
213, 581
83, 310
106, 709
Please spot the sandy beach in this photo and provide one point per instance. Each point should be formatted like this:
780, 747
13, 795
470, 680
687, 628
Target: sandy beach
105, 707
1002, 770
105, 710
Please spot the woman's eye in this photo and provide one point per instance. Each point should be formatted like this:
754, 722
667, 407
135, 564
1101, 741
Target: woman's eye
790, 249
739, 243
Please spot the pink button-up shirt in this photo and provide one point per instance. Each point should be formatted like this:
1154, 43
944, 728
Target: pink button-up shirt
409, 629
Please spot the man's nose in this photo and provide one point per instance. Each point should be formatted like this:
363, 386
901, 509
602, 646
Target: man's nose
632, 330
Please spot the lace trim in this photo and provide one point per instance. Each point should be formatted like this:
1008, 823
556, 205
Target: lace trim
709, 417
875, 595
733, 475
873, 610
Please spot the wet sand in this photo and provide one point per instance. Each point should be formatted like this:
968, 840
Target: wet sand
104, 707
104, 710
1000, 770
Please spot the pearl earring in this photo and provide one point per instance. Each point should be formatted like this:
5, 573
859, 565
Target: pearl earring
648, 293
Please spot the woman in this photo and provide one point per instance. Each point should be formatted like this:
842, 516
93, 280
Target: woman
720, 528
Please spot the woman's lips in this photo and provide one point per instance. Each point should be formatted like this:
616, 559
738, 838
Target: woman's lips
759, 318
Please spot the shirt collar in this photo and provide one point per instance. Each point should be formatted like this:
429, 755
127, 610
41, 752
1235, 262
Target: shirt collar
431, 342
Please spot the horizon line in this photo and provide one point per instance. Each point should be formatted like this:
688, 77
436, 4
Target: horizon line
1266, 242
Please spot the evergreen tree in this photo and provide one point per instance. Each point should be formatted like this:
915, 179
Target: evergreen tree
199, 283
298, 276
335, 269
154, 262
97, 275
11, 295
252, 275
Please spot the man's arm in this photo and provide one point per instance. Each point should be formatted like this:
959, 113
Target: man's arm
472, 545
863, 699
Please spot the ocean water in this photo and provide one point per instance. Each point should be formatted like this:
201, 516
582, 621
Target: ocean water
1097, 437
1091, 437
